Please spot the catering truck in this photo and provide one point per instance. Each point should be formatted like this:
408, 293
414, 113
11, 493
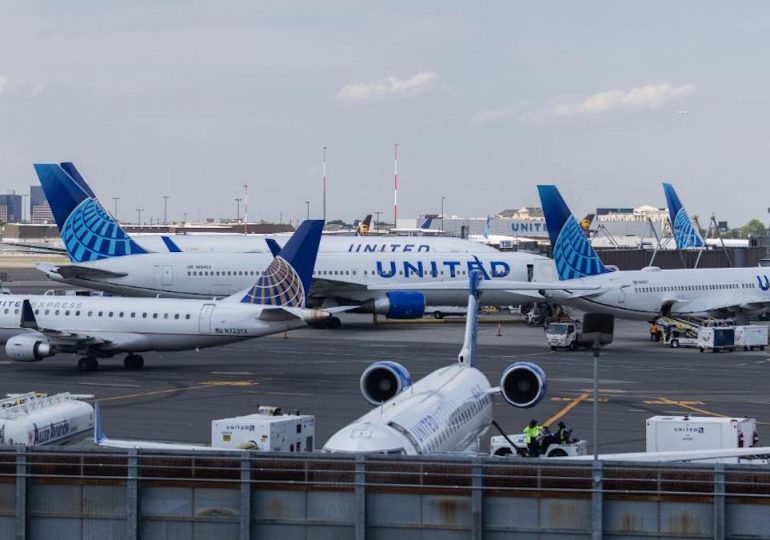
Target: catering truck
269, 430
688, 433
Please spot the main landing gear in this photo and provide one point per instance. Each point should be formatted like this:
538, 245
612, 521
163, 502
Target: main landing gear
133, 361
88, 363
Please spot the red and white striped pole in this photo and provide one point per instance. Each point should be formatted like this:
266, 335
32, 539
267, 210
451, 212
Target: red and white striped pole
395, 186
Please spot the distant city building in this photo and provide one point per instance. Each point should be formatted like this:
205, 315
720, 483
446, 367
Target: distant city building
39, 210
10, 208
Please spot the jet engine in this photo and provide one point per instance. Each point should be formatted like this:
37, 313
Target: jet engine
401, 305
23, 348
384, 380
523, 384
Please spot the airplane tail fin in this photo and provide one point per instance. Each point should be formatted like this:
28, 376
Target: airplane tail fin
487, 227
426, 224
467, 356
572, 252
685, 232
363, 227
88, 231
286, 282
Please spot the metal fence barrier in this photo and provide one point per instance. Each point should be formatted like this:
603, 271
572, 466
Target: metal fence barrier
63, 493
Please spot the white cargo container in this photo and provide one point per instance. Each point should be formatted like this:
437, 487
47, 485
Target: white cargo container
37, 419
266, 431
687, 433
750, 337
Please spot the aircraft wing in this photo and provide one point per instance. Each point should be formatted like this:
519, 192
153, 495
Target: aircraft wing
75, 271
324, 287
685, 455
34, 248
705, 305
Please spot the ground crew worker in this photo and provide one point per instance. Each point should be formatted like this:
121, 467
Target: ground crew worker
653, 332
532, 431
562, 434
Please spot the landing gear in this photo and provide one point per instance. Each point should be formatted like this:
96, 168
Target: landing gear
333, 323
88, 363
133, 361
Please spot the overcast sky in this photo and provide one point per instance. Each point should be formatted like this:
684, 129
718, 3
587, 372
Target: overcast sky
486, 99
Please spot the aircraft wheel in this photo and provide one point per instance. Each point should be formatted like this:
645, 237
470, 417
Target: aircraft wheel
133, 361
88, 363
438, 315
333, 323
675, 343
557, 453
503, 452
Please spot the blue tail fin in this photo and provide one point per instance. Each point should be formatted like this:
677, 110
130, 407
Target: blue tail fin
426, 224
685, 233
286, 282
70, 169
572, 252
170, 245
487, 227
99, 435
89, 233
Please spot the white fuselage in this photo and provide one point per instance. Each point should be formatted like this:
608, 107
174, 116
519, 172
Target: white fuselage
136, 325
348, 275
237, 243
446, 411
643, 294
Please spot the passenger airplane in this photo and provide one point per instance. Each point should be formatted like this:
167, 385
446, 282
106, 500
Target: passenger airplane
65, 186
448, 410
369, 278
102, 327
423, 229
648, 293
686, 234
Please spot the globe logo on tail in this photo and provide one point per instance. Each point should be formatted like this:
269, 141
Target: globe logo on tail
279, 285
685, 234
90, 234
574, 255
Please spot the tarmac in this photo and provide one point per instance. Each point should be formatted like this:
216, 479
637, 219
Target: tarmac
317, 372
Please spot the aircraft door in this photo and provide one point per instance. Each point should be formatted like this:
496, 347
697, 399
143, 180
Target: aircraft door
167, 275
621, 296
204, 319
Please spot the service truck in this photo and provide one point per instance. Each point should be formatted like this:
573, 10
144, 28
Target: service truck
680, 338
716, 338
269, 430
34, 419
569, 335
688, 433
499, 445
750, 337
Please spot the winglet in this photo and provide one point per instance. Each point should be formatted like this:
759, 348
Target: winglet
467, 356
99, 436
28, 319
274, 246
572, 251
685, 233
170, 245
286, 282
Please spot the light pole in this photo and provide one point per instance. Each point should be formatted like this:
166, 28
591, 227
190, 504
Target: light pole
165, 208
237, 208
139, 216
115, 201
442, 212
24, 205
376, 220
307, 209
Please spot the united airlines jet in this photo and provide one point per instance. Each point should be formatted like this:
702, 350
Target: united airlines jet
34, 327
685, 233
370, 275
448, 410
650, 292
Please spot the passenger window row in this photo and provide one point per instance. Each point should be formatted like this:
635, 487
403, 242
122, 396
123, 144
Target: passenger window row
118, 314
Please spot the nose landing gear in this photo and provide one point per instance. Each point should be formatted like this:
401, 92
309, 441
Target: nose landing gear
133, 361
88, 363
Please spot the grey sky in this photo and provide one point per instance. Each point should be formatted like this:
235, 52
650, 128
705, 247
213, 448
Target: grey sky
194, 99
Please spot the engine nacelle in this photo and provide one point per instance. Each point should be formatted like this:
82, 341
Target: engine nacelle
523, 384
401, 305
24, 348
384, 380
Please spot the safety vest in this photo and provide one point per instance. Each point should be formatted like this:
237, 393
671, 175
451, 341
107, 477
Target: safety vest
532, 432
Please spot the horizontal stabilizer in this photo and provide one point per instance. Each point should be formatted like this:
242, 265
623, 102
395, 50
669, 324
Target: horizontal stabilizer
74, 271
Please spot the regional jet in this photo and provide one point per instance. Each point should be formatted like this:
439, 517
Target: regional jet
448, 410
34, 327
648, 293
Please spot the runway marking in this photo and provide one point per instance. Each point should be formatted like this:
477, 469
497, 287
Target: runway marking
116, 385
659, 401
587, 400
210, 384
567, 408
606, 390
530, 354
